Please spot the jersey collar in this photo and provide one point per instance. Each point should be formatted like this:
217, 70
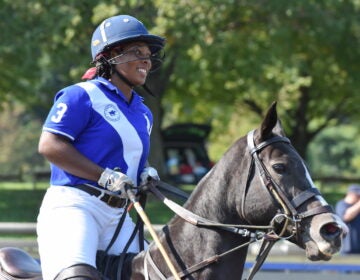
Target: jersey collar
135, 98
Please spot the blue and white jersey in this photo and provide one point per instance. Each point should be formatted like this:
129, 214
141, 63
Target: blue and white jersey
103, 126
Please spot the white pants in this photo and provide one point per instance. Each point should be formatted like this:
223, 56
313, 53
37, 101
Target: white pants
72, 225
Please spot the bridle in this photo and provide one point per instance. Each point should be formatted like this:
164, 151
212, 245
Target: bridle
289, 213
290, 208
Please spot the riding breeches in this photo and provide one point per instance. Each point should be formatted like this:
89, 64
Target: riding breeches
73, 225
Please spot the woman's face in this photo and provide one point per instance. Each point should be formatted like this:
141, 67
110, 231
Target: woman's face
133, 61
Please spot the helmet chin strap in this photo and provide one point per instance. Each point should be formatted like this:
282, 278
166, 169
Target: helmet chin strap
126, 81
122, 77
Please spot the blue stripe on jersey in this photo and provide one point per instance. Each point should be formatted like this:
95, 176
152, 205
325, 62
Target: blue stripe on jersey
103, 127
132, 145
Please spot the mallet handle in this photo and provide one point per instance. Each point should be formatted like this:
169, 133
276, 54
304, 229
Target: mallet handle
152, 232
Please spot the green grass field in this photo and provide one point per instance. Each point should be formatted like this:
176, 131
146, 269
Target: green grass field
20, 202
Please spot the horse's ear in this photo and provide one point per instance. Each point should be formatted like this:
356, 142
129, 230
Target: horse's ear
278, 129
269, 122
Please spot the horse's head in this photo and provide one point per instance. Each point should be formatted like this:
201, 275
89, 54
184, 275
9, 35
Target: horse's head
279, 185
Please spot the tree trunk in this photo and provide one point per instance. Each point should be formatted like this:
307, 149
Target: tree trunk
157, 83
300, 135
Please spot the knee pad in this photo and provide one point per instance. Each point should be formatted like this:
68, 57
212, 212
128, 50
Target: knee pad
79, 271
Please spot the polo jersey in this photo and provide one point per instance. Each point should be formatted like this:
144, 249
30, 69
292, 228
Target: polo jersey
103, 126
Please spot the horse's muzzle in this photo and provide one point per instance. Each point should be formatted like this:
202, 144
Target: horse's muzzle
331, 231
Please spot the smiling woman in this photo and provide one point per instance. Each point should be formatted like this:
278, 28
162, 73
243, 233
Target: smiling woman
132, 63
97, 139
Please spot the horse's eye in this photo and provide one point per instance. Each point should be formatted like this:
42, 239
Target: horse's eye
279, 168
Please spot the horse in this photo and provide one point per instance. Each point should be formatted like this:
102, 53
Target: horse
260, 189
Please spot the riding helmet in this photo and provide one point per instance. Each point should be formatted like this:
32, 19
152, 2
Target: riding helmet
122, 29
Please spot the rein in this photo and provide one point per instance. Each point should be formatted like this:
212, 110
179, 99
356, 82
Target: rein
192, 218
255, 233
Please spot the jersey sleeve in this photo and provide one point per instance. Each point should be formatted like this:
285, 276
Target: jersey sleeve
70, 113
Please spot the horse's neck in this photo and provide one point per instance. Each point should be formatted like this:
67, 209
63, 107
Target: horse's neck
190, 245
214, 199
217, 197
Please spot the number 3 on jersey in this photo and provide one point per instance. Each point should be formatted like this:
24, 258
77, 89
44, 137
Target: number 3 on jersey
59, 113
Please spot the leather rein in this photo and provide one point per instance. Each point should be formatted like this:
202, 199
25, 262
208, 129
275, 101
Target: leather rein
289, 217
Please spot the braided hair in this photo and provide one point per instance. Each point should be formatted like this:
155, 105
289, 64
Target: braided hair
104, 68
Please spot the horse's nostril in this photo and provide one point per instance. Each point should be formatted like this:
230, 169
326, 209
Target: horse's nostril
330, 231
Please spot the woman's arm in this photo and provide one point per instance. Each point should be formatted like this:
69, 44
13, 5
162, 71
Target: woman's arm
352, 212
58, 150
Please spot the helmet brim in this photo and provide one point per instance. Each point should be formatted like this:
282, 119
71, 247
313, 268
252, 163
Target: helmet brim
156, 43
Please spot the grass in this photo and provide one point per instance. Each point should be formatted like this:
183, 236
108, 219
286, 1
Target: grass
20, 202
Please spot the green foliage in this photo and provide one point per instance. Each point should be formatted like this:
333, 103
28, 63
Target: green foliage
226, 60
19, 134
336, 151
236, 53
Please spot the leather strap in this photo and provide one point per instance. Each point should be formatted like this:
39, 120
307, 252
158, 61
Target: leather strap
262, 255
111, 200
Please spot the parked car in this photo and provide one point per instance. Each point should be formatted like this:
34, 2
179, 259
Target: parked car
186, 156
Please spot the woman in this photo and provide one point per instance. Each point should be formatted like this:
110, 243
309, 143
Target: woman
96, 138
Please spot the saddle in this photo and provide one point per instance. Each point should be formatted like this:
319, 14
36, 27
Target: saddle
17, 264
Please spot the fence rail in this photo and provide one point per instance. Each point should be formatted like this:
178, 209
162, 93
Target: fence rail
18, 228
28, 244
30, 228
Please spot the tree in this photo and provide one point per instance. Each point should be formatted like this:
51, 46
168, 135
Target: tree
19, 145
336, 152
302, 53
226, 60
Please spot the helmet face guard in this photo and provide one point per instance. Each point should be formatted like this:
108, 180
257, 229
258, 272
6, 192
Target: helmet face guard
120, 30
136, 53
